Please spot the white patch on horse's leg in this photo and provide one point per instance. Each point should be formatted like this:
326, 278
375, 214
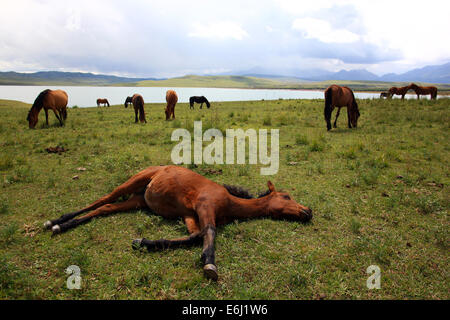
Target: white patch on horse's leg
47, 224
136, 244
56, 229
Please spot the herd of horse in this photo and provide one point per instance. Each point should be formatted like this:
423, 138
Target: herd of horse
432, 91
177, 192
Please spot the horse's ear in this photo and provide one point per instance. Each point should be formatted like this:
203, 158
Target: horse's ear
271, 186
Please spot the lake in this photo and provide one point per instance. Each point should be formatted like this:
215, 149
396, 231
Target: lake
87, 96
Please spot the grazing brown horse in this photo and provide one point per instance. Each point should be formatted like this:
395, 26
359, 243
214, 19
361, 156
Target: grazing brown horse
171, 99
432, 91
399, 91
49, 99
102, 101
177, 192
138, 104
337, 96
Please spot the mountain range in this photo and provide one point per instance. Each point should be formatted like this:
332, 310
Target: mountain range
428, 74
431, 74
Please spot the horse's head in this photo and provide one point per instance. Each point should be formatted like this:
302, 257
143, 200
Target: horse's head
354, 114
282, 206
413, 86
32, 118
127, 101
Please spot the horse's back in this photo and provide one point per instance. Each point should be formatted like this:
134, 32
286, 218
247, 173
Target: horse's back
57, 98
174, 191
340, 96
137, 99
171, 97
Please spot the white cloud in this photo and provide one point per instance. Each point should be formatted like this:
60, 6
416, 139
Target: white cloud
323, 31
220, 30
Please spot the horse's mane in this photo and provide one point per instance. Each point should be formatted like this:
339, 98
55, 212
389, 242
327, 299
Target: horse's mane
39, 102
243, 193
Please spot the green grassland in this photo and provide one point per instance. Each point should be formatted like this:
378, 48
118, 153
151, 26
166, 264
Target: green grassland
379, 193
194, 81
246, 82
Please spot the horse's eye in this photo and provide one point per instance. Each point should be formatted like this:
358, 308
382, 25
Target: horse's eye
287, 197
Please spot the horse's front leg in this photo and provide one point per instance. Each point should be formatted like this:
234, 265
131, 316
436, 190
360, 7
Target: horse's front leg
135, 202
201, 105
195, 237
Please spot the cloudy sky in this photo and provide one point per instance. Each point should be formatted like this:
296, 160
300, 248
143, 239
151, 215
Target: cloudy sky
171, 38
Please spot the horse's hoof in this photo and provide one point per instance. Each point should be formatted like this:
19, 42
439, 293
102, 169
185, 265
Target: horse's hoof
136, 244
210, 272
48, 224
56, 229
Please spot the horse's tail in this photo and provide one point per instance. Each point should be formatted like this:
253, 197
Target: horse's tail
328, 108
107, 102
208, 105
141, 110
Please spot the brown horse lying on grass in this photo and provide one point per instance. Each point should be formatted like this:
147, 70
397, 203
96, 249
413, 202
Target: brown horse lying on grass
432, 91
171, 99
102, 101
138, 104
177, 192
337, 96
49, 99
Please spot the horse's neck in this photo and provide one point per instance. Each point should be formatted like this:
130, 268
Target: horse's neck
248, 208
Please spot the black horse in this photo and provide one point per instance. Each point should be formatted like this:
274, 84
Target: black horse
200, 100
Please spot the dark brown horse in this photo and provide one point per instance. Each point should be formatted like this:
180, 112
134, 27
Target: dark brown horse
177, 192
399, 91
198, 99
55, 100
138, 104
171, 99
432, 91
337, 96
102, 101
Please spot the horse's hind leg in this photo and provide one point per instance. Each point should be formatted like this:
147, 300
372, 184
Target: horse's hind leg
46, 116
337, 115
57, 117
135, 202
135, 115
134, 185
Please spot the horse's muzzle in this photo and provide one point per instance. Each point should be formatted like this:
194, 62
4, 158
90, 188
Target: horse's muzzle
307, 214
